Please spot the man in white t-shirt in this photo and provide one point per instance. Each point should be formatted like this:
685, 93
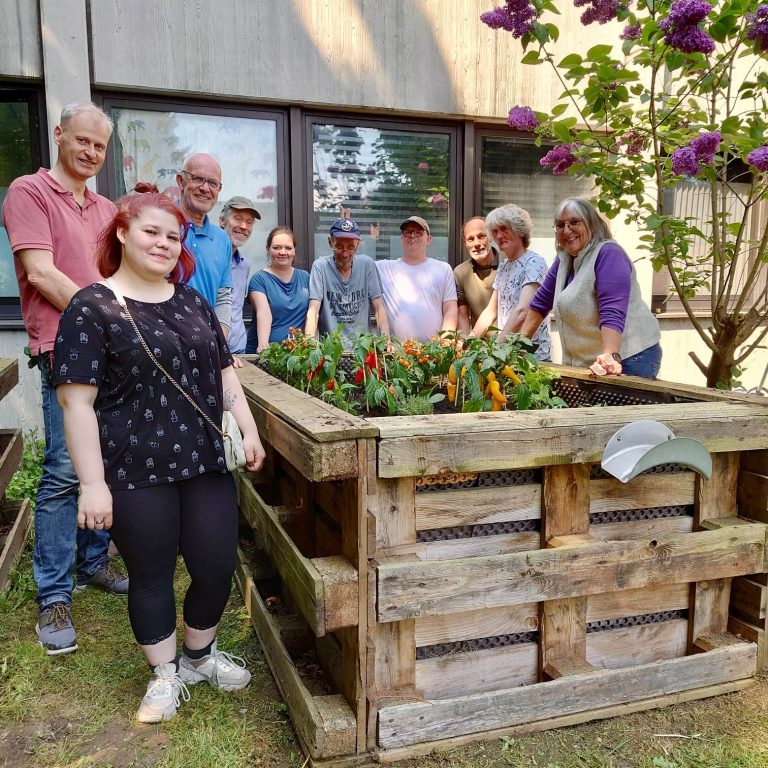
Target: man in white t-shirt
419, 292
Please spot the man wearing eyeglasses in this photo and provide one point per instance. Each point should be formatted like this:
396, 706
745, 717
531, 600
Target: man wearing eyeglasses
419, 292
200, 184
343, 287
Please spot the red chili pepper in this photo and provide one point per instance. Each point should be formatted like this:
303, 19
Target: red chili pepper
331, 384
359, 376
370, 360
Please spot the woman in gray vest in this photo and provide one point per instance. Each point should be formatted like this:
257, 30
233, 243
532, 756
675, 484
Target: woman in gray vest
592, 290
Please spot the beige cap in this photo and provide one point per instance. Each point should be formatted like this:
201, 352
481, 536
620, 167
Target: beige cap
240, 203
417, 220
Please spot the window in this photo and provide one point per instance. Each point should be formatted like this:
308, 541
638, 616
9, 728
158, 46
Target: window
383, 173
20, 154
151, 142
692, 200
510, 172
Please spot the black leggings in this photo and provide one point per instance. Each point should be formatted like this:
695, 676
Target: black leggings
197, 517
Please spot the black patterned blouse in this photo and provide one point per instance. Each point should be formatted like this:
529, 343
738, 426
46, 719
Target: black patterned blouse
149, 432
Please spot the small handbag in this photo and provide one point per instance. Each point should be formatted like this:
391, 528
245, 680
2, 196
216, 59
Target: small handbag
234, 454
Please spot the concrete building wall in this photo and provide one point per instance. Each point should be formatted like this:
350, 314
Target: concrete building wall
20, 49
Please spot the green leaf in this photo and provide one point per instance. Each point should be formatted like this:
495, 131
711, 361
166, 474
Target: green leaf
438, 397
599, 52
735, 370
731, 125
532, 57
570, 61
554, 32
562, 132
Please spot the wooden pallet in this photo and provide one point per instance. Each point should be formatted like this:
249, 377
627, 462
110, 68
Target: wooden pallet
435, 641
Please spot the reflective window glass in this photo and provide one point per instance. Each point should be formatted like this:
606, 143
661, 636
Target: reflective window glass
17, 158
510, 172
152, 145
383, 176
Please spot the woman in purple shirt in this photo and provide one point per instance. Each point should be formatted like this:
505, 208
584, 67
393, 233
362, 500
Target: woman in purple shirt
593, 292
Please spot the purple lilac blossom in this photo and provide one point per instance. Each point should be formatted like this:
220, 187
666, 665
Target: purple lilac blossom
759, 158
632, 32
523, 118
705, 146
757, 27
561, 157
516, 17
684, 162
681, 27
633, 142
601, 11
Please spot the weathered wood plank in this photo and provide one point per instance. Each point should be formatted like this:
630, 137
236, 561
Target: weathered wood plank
643, 492
11, 451
749, 600
477, 671
424, 748
9, 375
476, 506
511, 619
321, 588
566, 500
407, 590
542, 438
715, 499
21, 513
753, 634
416, 722
644, 644
755, 461
479, 546
642, 529
753, 496
325, 724
311, 416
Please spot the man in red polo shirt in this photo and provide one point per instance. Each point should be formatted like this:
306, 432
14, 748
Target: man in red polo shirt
53, 221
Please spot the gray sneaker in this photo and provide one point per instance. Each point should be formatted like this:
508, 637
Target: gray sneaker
109, 578
55, 630
164, 693
219, 669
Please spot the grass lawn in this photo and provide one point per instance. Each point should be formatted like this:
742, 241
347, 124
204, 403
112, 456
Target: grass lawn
76, 711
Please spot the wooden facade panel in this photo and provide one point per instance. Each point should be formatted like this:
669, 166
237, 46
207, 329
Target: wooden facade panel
417, 722
407, 590
642, 529
753, 495
472, 625
643, 492
644, 644
638, 602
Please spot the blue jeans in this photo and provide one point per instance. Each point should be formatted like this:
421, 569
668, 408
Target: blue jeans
56, 528
646, 363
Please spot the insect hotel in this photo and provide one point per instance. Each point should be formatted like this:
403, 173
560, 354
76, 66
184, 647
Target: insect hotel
422, 582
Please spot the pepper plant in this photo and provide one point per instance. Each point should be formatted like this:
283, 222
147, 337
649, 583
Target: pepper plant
679, 95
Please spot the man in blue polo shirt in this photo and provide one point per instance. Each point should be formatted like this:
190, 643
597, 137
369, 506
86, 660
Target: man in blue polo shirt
200, 184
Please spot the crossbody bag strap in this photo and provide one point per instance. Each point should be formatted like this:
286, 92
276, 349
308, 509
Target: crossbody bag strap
121, 301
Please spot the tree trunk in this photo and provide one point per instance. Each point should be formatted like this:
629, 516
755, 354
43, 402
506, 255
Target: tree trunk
721, 362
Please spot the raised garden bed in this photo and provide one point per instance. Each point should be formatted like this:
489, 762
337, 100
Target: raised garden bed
469, 575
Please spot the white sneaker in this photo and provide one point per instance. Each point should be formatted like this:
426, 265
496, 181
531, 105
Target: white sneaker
164, 691
219, 669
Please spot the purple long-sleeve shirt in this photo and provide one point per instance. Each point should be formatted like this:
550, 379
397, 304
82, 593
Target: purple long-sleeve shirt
613, 281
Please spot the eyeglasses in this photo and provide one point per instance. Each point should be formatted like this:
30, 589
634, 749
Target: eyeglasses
413, 234
198, 181
572, 223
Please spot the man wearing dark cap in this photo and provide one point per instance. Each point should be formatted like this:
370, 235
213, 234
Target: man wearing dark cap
419, 292
342, 288
237, 219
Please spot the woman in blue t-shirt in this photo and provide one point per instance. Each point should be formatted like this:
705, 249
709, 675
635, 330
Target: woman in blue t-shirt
279, 293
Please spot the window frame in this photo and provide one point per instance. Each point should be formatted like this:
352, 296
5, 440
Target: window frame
34, 96
107, 179
304, 219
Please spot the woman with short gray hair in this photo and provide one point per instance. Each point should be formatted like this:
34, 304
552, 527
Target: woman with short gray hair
518, 278
593, 292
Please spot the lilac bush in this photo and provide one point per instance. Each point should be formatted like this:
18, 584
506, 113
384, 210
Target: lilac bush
674, 90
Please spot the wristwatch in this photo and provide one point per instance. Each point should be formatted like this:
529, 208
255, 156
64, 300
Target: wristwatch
616, 356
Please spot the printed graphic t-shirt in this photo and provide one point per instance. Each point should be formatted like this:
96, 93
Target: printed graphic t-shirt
149, 432
347, 303
414, 296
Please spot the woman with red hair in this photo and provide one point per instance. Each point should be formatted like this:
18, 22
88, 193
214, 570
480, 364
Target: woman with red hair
143, 374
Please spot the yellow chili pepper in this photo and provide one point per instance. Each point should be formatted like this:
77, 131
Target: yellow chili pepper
491, 376
452, 392
452, 375
463, 370
496, 405
510, 374
496, 393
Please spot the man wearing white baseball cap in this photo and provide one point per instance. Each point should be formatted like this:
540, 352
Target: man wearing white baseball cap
419, 292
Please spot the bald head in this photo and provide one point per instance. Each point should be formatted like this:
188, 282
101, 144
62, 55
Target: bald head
200, 184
